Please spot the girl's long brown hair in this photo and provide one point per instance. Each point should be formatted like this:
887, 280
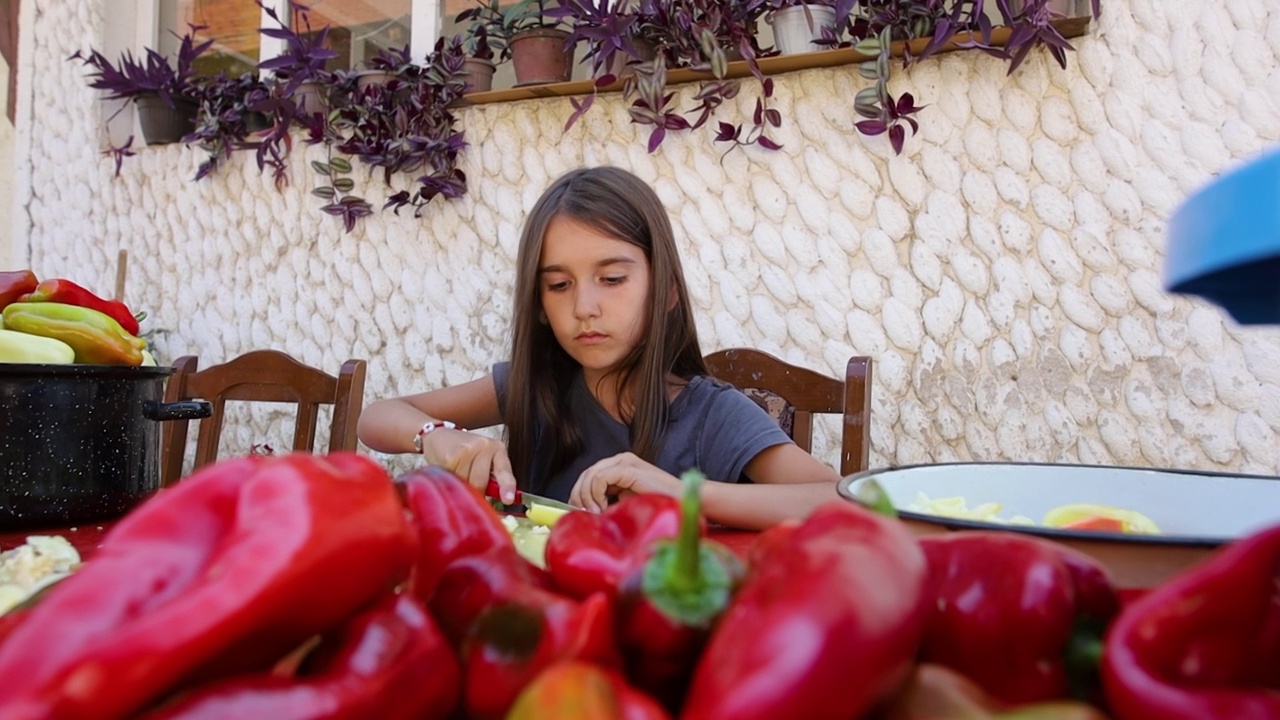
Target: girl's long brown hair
621, 205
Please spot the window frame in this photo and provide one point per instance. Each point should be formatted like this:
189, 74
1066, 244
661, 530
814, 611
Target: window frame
425, 22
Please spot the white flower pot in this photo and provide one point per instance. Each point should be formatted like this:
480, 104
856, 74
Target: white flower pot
796, 27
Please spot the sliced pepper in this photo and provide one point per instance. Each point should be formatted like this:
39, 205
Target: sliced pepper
1016, 613
506, 623
67, 292
1205, 645
390, 662
222, 574
20, 347
581, 691
825, 626
1081, 516
671, 584
96, 338
14, 284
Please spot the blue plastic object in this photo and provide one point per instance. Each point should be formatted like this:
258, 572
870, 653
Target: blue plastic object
1224, 243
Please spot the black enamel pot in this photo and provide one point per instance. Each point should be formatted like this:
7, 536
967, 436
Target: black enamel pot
80, 442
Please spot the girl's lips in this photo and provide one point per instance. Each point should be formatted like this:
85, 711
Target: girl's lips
591, 338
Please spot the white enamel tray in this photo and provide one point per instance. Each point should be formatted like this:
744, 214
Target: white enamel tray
1195, 511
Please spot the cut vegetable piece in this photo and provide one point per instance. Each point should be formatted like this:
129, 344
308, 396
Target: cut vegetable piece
543, 515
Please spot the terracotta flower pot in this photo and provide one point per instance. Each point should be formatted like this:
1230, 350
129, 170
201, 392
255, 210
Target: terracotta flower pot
541, 55
478, 74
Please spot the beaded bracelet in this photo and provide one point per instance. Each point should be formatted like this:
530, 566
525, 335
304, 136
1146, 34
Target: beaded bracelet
432, 426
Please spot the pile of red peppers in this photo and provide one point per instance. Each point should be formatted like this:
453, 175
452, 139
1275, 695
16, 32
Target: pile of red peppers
305, 587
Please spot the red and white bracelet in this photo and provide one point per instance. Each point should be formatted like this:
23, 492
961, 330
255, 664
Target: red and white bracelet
430, 427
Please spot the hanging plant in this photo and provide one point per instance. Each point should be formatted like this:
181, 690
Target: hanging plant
875, 25
405, 126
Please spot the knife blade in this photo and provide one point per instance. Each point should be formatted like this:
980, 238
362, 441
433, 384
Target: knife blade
526, 499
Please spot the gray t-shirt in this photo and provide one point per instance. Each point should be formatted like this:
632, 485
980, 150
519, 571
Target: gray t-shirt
711, 426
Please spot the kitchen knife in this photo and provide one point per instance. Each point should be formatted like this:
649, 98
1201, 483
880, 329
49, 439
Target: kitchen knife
526, 499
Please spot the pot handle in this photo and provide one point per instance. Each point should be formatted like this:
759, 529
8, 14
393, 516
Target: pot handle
182, 410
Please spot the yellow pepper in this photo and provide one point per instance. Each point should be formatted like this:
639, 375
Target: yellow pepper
94, 336
20, 347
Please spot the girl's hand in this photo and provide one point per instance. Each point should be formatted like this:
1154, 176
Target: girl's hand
473, 458
619, 475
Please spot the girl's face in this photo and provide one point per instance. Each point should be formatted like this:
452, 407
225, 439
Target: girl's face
595, 291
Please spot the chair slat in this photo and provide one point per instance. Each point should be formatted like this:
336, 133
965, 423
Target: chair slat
262, 376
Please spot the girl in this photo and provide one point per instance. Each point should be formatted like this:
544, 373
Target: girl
606, 392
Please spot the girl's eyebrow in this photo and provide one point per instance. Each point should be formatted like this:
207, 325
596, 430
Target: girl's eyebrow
603, 263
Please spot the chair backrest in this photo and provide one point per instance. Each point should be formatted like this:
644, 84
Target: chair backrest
807, 392
261, 376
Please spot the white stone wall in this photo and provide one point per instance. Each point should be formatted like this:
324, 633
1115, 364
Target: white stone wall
1005, 272
9, 258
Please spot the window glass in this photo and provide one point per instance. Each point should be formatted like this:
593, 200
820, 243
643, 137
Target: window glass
360, 28
231, 24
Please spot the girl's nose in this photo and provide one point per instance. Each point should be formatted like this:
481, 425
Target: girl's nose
585, 304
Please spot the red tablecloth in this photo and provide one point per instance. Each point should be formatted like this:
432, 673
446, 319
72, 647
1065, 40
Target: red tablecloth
87, 537
84, 538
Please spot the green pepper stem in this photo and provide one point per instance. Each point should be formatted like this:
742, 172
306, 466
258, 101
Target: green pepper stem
685, 573
686, 579
1083, 657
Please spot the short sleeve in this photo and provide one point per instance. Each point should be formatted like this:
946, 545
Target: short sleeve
501, 381
735, 431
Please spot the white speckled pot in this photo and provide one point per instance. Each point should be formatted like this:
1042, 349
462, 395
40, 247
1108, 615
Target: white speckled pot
80, 442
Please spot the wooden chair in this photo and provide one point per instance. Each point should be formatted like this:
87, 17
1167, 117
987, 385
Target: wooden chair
262, 376
807, 392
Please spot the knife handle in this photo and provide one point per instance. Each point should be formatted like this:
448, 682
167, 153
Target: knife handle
493, 491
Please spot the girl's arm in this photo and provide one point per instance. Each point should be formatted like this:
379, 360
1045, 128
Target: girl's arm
391, 425
788, 484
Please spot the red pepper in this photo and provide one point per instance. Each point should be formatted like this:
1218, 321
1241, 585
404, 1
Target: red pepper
222, 574
1205, 644
669, 592
10, 621
14, 284
1014, 611
581, 691
594, 552
507, 625
390, 662
69, 293
456, 526
826, 625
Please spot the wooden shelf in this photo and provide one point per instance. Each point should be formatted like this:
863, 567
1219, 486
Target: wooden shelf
776, 65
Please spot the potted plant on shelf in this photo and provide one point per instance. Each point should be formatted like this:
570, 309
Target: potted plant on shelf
801, 26
166, 96
301, 69
477, 67
528, 34
658, 35
228, 114
395, 130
